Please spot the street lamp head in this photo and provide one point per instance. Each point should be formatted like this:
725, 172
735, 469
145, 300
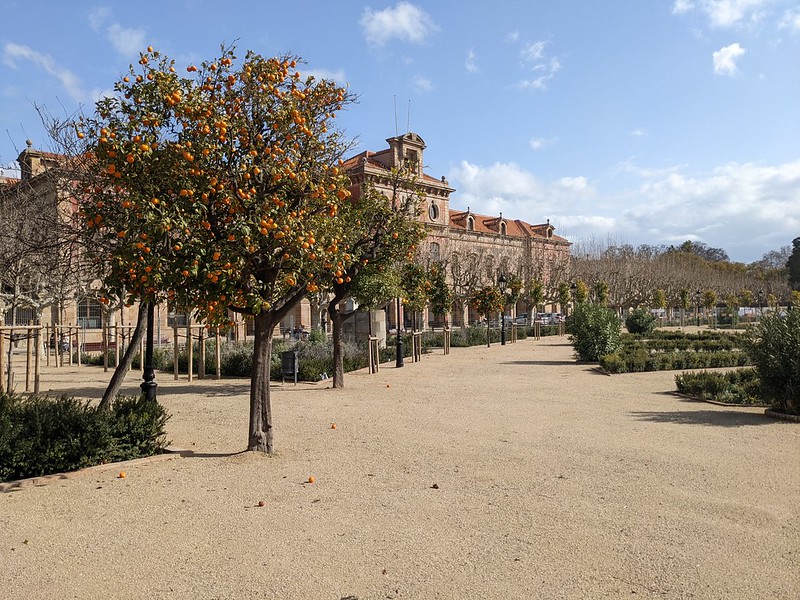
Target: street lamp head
501, 282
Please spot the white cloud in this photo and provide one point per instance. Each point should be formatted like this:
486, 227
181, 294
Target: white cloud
512, 36
12, 53
724, 13
539, 67
97, 16
423, 84
471, 65
577, 184
127, 41
516, 192
533, 52
725, 59
639, 132
405, 22
790, 20
338, 75
541, 143
682, 6
745, 208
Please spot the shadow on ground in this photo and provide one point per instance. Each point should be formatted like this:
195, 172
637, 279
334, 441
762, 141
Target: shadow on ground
718, 418
200, 387
544, 363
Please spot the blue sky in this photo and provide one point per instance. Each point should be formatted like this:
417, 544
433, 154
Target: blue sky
624, 121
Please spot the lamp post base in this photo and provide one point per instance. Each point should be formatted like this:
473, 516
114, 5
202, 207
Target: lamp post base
149, 385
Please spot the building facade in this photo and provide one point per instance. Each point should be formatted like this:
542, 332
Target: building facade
474, 249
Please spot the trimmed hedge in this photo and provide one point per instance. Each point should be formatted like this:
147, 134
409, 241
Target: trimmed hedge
640, 360
740, 386
667, 351
41, 435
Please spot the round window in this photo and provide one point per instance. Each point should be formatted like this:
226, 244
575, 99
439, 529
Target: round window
433, 212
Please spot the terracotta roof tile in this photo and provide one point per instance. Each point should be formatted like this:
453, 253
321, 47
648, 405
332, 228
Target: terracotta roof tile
487, 224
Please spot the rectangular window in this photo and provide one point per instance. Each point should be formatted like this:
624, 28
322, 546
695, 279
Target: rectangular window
176, 319
90, 314
24, 315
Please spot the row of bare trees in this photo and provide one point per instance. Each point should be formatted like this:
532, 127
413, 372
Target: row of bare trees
641, 275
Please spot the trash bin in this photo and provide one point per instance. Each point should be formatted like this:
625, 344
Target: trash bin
289, 366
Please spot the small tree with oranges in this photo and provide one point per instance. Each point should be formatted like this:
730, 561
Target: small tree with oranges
486, 301
381, 232
220, 191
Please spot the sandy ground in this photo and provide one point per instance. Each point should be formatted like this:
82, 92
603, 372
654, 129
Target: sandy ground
502, 472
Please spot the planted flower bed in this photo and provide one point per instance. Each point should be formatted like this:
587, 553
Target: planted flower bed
666, 351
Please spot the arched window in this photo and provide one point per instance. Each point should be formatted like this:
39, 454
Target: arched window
470, 224
490, 268
435, 252
433, 211
503, 228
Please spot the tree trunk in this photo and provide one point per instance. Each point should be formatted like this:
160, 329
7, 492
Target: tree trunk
127, 359
260, 435
337, 320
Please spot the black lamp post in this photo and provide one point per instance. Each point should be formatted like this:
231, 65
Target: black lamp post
697, 301
501, 284
573, 290
399, 338
761, 302
149, 384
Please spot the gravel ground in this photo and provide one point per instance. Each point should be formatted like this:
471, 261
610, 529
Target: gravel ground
503, 472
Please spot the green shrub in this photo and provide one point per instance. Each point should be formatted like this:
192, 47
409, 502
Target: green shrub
317, 336
773, 346
41, 435
594, 331
137, 427
740, 386
641, 321
613, 363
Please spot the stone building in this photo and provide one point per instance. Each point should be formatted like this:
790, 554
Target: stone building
41, 279
473, 248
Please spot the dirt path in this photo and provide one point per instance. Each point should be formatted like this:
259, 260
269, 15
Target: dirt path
502, 472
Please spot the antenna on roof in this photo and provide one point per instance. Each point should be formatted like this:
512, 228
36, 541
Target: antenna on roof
408, 122
395, 115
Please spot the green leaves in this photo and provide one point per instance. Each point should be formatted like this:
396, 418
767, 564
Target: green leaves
595, 331
774, 347
487, 300
218, 190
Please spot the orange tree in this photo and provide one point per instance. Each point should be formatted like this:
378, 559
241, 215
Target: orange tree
381, 231
514, 291
416, 288
219, 191
486, 301
440, 295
